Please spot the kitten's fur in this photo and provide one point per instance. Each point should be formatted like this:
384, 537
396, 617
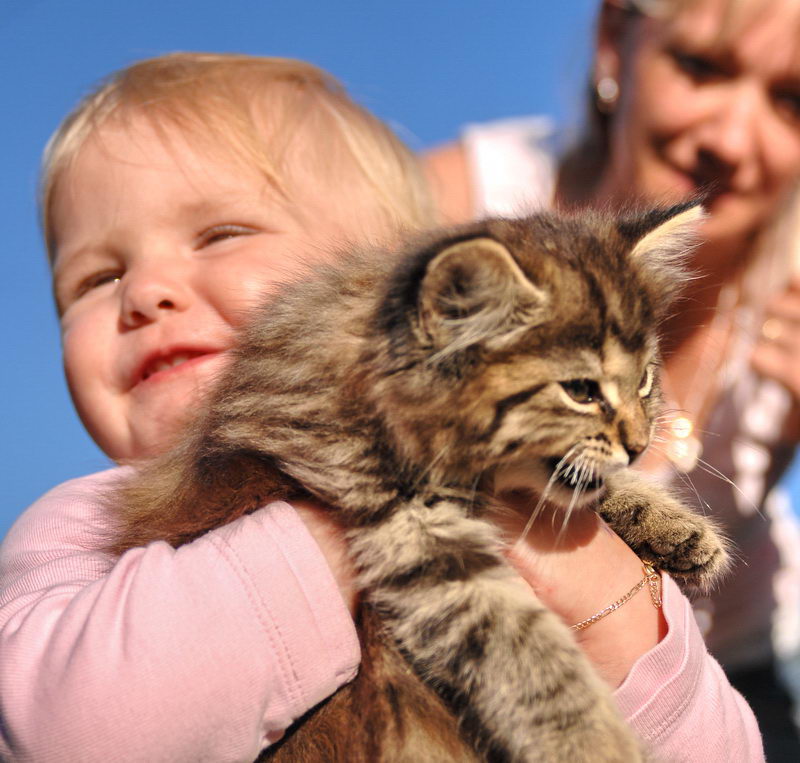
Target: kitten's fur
399, 391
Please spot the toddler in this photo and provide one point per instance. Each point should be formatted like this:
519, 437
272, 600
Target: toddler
175, 198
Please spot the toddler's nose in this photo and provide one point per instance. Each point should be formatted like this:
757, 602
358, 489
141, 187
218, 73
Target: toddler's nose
148, 295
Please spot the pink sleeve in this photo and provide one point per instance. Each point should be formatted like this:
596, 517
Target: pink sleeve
204, 653
679, 701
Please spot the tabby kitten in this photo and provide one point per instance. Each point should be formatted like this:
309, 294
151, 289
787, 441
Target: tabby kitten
402, 391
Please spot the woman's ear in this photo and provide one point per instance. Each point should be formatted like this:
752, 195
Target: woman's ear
608, 43
613, 25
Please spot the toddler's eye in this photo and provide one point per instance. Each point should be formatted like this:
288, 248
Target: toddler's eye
583, 391
98, 279
222, 233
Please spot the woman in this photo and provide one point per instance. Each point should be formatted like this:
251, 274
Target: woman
694, 97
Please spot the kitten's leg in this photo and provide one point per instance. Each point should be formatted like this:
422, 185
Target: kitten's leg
662, 530
472, 630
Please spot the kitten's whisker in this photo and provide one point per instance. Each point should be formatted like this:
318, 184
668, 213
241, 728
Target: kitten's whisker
685, 479
432, 465
543, 497
706, 467
585, 476
714, 472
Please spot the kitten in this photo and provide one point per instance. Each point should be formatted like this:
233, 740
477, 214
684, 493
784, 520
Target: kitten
400, 390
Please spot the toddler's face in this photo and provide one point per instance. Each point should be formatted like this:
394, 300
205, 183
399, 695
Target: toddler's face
160, 251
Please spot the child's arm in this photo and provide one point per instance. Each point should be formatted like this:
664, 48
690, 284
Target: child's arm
211, 651
679, 701
207, 652
669, 688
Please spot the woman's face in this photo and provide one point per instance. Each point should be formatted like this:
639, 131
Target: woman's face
708, 107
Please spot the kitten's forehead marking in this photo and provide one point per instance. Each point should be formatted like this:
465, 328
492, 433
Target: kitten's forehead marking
610, 390
616, 362
617, 366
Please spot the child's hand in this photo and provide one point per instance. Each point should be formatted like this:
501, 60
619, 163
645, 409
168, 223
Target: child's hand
321, 523
574, 574
580, 571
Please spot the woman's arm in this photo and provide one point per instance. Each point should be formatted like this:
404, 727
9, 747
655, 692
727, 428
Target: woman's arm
207, 652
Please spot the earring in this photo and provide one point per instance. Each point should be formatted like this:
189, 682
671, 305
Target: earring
607, 93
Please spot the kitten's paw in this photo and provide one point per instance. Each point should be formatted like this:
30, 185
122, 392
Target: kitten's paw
691, 551
664, 532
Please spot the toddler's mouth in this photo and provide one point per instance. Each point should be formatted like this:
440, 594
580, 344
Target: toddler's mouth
168, 361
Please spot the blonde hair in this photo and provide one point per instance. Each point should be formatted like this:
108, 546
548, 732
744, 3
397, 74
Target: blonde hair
251, 107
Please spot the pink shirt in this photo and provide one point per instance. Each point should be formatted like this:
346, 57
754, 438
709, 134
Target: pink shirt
208, 652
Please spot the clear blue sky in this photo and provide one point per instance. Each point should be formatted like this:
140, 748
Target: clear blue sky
426, 66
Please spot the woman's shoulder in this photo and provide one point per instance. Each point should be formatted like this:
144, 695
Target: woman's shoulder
502, 167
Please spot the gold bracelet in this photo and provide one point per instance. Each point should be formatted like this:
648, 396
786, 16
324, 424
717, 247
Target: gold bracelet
651, 578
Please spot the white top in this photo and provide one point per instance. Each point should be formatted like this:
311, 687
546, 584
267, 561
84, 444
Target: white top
755, 612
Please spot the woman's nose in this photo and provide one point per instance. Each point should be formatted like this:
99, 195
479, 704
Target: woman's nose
730, 137
151, 292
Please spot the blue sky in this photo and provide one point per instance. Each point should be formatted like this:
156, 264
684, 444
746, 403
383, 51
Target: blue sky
426, 66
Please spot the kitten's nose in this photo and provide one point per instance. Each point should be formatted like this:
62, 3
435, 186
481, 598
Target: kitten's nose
633, 438
634, 451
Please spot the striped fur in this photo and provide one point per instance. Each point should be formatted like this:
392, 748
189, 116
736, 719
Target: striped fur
402, 391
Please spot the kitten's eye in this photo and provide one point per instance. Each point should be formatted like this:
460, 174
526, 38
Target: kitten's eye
646, 384
222, 233
583, 391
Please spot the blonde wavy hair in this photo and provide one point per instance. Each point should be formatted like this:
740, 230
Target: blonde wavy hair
252, 108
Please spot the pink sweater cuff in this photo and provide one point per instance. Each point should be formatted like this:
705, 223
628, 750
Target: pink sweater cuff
678, 700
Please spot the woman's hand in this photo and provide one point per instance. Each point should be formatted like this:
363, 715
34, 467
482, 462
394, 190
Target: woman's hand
777, 352
578, 571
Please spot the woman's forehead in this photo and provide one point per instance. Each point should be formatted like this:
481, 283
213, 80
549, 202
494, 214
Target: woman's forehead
749, 27
730, 18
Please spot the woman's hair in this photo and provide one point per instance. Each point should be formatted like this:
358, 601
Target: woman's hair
252, 108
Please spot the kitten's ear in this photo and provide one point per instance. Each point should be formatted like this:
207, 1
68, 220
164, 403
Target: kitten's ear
474, 290
661, 240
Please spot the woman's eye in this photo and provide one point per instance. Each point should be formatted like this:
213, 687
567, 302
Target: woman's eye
788, 104
582, 390
646, 384
222, 233
698, 67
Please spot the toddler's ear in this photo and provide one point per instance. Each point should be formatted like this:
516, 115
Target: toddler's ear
473, 290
